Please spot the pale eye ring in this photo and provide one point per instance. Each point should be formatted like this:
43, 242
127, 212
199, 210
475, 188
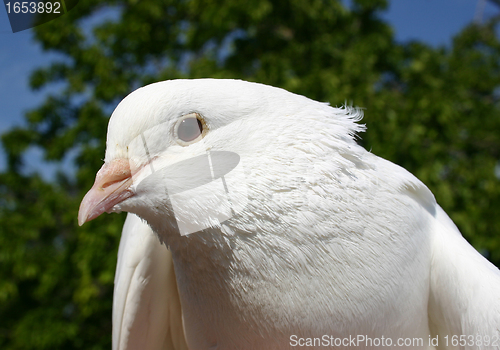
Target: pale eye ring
189, 129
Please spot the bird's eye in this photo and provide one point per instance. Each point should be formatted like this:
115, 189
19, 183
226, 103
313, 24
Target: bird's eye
189, 129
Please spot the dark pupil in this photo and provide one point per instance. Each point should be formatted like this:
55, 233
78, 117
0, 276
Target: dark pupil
189, 129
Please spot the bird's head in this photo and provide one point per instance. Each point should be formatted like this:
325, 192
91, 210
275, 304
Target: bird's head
174, 138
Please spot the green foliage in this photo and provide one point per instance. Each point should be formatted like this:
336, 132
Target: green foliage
432, 110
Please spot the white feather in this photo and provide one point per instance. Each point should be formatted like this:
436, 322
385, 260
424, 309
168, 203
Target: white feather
333, 240
146, 306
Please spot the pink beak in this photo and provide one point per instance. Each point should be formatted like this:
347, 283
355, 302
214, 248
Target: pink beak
111, 187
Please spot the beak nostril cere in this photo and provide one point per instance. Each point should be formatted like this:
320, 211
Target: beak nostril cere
110, 187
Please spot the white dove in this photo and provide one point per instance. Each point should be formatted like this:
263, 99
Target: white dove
283, 233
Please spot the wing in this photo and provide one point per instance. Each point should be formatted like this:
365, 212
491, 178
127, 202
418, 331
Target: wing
464, 289
146, 306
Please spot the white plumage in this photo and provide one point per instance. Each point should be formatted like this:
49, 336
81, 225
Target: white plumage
328, 239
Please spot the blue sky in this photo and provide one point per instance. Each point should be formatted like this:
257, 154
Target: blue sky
432, 21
